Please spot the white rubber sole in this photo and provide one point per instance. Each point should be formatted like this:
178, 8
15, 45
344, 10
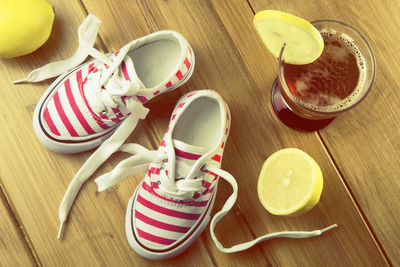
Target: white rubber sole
69, 146
174, 250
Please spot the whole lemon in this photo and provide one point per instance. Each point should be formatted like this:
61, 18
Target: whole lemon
25, 25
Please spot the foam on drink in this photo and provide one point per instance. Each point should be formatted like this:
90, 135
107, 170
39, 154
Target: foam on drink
334, 81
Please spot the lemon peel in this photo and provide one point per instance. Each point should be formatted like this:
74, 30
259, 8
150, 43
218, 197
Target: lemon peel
25, 25
304, 43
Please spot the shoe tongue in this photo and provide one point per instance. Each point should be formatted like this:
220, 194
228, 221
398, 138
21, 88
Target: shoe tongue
187, 154
127, 71
187, 151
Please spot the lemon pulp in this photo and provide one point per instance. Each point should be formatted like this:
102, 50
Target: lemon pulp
304, 43
290, 182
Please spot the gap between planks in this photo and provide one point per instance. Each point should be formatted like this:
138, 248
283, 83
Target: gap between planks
11, 208
21, 229
152, 141
353, 198
348, 189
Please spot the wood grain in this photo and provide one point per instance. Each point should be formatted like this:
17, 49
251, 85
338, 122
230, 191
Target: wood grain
14, 250
365, 142
230, 59
36, 178
212, 43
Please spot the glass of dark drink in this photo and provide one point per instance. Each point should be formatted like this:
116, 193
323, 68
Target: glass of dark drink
308, 97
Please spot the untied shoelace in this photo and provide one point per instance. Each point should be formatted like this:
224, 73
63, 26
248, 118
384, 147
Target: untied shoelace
107, 75
183, 189
137, 163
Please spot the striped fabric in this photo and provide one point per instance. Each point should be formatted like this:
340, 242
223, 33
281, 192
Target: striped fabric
67, 113
159, 220
170, 219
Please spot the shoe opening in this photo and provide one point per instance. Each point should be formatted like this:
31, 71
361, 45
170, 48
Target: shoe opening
197, 124
154, 61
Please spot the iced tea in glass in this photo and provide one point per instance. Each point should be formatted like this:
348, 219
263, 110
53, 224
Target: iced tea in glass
308, 97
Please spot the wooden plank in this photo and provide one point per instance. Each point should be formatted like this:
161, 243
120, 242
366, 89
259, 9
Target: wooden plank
14, 251
223, 62
36, 178
115, 36
373, 172
365, 141
237, 20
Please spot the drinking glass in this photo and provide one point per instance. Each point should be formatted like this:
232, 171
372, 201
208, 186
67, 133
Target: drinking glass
295, 108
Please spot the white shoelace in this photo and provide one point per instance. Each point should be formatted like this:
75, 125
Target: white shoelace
228, 206
116, 86
138, 163
180, 189
87, 33
103, 152
107, 76
184, 189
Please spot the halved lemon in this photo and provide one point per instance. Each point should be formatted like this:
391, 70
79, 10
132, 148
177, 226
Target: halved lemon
290, 182
304, 43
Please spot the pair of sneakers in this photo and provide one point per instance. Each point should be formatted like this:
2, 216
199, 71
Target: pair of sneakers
99, 103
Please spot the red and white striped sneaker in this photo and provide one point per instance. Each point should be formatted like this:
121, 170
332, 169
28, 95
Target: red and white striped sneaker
88, 102
172, 205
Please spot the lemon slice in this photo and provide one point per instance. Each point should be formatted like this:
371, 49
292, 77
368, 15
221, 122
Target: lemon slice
304, 43
290, 182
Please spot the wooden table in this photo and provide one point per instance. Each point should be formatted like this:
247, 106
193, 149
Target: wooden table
359, 153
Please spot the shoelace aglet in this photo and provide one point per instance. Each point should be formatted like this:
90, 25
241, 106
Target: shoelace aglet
19, 81
60, 231
328, 228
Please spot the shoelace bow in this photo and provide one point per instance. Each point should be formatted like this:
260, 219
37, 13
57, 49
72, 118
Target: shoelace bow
116, 87
183, 189
106, 76
138, 163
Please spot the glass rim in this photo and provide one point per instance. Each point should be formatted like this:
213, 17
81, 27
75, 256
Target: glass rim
282, 80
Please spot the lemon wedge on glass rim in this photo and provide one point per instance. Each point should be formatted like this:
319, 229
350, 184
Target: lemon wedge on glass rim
290, 182
304, 43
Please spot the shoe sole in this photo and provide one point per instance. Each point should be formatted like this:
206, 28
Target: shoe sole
183, 244
69, 146
175, 250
